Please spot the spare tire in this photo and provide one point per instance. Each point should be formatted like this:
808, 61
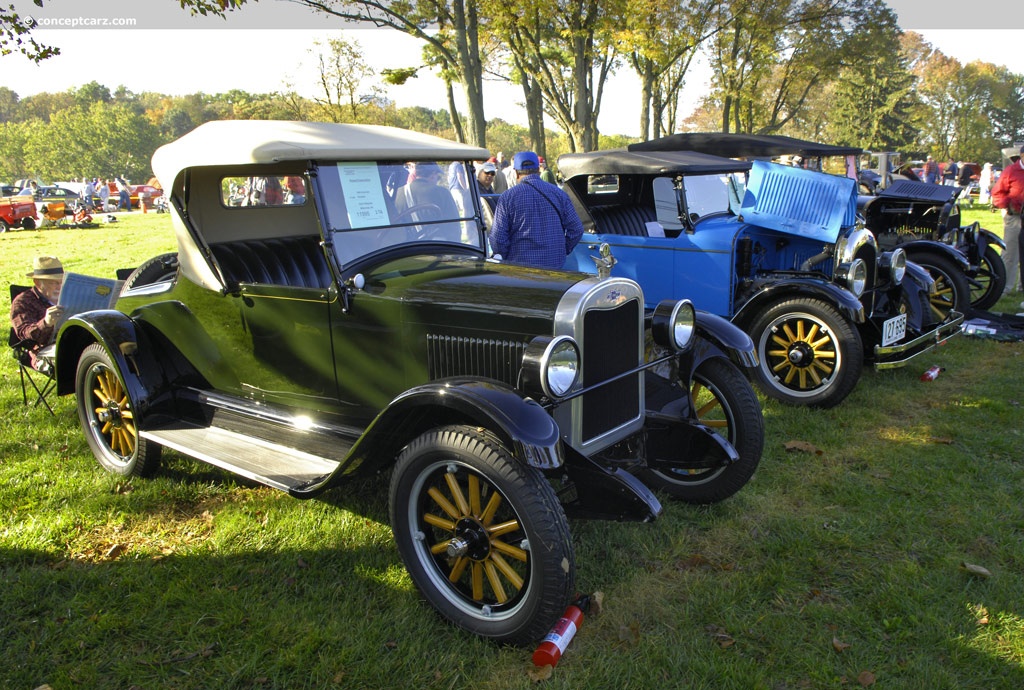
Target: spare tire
156, 270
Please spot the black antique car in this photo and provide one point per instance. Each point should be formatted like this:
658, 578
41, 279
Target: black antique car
775, 249
922, 219
335, 325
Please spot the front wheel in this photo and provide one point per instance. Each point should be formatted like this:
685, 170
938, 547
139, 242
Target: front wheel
951, 289
723, 400
109, 417
988, 284
483, 537
808, 353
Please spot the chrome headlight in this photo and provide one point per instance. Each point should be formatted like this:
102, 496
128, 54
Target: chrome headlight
551, 366
895, 264
674, 324
854, 275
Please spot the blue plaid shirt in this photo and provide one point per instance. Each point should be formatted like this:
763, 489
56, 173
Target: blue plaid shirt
535, 224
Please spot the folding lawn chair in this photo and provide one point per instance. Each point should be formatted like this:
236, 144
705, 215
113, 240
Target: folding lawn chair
54, 214
42, 382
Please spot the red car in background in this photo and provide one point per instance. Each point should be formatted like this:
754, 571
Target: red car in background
148, 192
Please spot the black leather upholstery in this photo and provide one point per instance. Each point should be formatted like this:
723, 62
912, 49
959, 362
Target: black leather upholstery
622, 220
294, 261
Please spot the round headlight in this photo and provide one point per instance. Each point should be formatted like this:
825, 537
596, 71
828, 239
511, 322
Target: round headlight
560, 367
898, 265
684, 323
673, 324
854, 276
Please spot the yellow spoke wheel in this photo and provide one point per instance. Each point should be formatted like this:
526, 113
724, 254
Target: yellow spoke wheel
483, 536
109, 418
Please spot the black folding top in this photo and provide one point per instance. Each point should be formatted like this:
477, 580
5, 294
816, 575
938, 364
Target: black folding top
742, 145
623, 162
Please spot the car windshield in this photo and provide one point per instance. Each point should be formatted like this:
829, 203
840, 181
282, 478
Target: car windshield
369, 206
705, 194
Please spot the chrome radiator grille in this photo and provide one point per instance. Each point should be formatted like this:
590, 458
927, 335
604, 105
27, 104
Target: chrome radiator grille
459, 356
611, 347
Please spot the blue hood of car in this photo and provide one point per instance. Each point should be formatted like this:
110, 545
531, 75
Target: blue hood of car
799, 202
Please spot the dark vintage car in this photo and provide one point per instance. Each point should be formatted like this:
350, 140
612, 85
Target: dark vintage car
922, 219
780, 254
363, 329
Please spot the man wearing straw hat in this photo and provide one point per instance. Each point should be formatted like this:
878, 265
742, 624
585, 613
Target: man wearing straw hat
34, 313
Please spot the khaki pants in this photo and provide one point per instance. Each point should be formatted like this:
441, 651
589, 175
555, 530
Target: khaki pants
1012, 255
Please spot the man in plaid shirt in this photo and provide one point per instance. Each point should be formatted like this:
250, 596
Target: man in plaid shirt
535, 223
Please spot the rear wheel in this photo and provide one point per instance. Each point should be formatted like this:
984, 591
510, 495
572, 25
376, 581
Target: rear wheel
723, 400
109, 417
483, 537
988, 284
4, 225
28, 223
808, 353
951, 290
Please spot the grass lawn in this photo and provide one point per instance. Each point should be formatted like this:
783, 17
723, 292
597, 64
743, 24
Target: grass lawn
886, 550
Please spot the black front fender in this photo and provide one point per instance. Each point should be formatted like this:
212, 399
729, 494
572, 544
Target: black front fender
916, 247
123, 341
520, 422
848, 305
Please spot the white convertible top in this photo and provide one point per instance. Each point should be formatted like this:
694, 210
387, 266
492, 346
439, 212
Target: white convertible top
239, 142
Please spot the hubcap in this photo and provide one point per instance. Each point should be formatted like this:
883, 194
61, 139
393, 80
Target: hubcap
474, 538
113, 413
802, 353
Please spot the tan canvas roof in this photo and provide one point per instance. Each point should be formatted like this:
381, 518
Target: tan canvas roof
235, 142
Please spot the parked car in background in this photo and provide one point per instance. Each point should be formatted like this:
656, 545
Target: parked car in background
17, 212
144, 192
922, 219
780, 254
306, 343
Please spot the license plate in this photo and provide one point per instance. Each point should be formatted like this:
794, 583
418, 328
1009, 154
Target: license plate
894, 329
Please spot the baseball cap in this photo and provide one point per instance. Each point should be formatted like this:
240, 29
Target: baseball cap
525, 161
488, 167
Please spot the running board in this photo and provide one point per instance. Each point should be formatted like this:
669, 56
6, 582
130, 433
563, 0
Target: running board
277, 466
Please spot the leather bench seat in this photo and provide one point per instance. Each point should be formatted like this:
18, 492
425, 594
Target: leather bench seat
622, 220
294, 261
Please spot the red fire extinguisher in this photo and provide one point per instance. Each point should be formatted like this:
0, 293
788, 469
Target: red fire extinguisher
550, 650
931, 373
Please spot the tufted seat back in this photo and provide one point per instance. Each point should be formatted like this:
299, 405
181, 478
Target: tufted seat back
622, 220
294, 261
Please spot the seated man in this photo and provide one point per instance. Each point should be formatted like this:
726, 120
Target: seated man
34, 313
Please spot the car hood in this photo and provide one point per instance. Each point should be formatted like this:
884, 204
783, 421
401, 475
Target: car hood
476, 294
799, 202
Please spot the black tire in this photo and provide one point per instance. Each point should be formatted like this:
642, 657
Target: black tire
723, 400
109, 417
808, 353
4, 226
28, 223
155, 270
988, 285
951, 288
525, 571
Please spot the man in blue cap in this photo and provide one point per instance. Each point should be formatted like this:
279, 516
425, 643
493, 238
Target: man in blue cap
535, 223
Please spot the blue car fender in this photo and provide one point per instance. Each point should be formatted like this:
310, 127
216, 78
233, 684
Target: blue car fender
788, 288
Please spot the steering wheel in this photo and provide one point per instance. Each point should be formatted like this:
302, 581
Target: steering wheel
407, 214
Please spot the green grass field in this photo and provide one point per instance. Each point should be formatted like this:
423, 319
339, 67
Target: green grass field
886, 550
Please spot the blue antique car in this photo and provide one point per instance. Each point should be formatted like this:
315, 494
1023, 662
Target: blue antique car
922, 219
775, 249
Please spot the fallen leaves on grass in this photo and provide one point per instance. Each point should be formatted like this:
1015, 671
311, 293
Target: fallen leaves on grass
977, 570
802, 447
720, 636
540, 673
839, 645
866, 678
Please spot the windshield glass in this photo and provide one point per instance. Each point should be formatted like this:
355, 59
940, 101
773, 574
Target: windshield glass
373, 205
707, 194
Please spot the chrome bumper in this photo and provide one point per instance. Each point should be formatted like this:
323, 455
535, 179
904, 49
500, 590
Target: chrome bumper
892, 357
